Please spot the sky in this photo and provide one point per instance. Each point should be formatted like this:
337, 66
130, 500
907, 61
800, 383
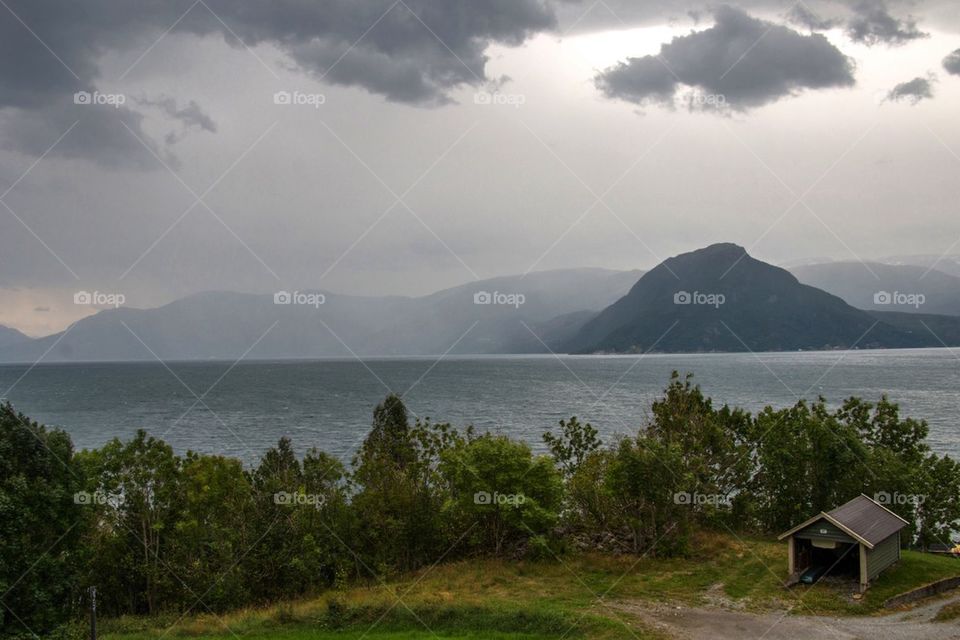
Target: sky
166, 148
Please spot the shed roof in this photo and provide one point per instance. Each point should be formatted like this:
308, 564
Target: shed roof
863, 518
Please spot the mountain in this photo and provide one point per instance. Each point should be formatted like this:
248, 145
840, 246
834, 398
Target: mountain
721, 299
885, 287
939, 330
10, 336
947, 264
439, 320
509, 315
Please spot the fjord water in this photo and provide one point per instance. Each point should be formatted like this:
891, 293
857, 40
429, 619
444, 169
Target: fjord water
242, 409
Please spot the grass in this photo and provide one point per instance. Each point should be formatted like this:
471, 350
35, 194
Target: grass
308, 633
501, 599
948, 613
914, 570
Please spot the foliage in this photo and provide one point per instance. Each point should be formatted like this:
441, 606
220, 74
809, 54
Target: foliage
40, 525
397, 502
574, 444
166, 535
500, 493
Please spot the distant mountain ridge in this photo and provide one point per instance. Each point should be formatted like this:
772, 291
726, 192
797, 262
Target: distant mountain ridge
224, 325
949, 264
884, 287
9, 336
721, 299
715, 299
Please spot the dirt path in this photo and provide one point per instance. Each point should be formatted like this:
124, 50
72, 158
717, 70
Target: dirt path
702, 623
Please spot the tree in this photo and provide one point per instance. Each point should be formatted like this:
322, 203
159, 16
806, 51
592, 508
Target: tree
213, 532
643, 479
396, 503
807, 461
40, 525
714, 452
136, 522
500, 491
272, 563
389, 440
571, 448
937, 501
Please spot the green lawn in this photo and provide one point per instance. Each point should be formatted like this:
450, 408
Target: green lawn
504, 599
307, 633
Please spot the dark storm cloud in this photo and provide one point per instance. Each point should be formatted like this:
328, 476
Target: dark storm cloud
817, 15
110, 136
952, 63
741, 60
912, 91
411, 51
415, 51
873, 24
48, 53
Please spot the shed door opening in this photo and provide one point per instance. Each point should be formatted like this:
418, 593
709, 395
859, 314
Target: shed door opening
833, 558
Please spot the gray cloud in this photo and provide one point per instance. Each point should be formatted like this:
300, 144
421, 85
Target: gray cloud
44, 61
952, 63
413, 51
587, 15
912, 91
190, 116
111, 136
873, 24
743, 61
802, 15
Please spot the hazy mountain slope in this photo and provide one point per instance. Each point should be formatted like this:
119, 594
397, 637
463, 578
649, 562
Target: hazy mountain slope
860, 288
763, 308
937, 330
226, 325
947, 264
216, 325
10, 336
451, 319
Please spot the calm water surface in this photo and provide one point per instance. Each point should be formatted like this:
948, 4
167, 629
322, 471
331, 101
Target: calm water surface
245, 408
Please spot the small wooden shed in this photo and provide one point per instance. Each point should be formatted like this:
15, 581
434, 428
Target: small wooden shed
860, 538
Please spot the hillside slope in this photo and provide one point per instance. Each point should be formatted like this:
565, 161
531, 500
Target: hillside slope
721, 299
479, 317
883, 287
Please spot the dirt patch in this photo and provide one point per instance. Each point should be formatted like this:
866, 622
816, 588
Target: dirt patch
716, 623
716, 597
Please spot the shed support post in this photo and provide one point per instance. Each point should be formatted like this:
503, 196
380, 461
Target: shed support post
791, 556
864, 579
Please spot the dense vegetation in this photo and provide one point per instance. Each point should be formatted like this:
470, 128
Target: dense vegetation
162, 533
